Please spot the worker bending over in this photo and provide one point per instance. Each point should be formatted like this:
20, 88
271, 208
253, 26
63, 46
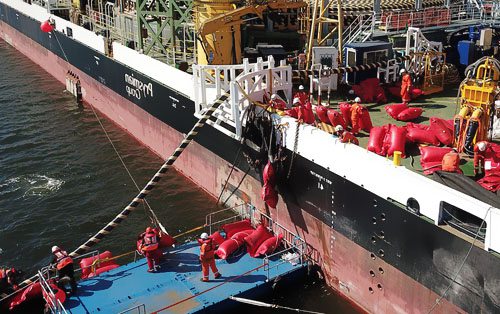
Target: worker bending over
207, 257
150, 247
345, 136
65, 267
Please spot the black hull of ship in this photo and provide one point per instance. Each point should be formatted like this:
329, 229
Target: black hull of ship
415, 247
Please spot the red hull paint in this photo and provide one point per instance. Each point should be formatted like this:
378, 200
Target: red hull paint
346, 265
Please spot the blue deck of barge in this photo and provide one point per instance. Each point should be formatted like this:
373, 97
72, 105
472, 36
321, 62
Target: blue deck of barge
131, 286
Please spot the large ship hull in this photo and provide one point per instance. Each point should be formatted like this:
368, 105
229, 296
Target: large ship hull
380, 256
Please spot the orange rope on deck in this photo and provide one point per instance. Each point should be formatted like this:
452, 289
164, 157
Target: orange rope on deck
209, 289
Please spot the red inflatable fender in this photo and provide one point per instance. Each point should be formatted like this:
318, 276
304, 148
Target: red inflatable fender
217, 238
268, 174
59, 294
227, 248
240, 236
421, 136
294, 112
441, 130
235, 227
376, 140
491, 181
269, 195
396, 140
306, 113
166, 241
365, 121
269, 246
104, 269
416, 92
32, 291
410, 114
86, 263
335, 118
433, 154
254, 240
345, 109
46, 27
395, 109
381, 98
322, 113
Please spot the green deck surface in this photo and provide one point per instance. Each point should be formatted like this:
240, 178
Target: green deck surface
442, 105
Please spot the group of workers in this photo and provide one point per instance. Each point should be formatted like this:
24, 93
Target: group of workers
150, 247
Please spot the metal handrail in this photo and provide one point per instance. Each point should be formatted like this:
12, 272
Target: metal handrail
52, 301
209, 218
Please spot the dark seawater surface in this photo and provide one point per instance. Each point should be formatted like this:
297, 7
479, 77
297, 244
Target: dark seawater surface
61, 181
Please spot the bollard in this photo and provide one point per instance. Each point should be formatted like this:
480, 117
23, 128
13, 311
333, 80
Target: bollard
397, 158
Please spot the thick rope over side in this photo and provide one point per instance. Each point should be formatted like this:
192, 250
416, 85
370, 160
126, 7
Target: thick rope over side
152, 183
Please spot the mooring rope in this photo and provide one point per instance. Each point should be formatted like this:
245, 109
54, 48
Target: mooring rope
152, 183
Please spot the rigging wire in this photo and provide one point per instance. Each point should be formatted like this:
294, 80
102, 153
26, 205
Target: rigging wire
438, 301
268, 305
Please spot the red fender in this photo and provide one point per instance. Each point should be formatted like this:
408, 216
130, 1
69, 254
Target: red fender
269, 246
46, 27
335, 118
433, 154
345, 109
268, 175
294, 112
227, 248
322, 113
232, 228
254, 240
410, 114
396, 140
365, 121
440, 129
395, 109
269, 195
421, 135
376, 140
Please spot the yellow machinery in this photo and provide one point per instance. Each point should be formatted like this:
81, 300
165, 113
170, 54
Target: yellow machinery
218, 25
477, 99
434, 72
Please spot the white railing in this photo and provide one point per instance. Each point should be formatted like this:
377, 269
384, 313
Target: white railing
51, 299
360, 30
245, 82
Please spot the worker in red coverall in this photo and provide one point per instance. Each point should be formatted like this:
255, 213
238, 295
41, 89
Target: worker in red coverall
150, 247
8, 281
345, 136
486, 151
356, 112
277, 103
302, 95
406, 86
207, 257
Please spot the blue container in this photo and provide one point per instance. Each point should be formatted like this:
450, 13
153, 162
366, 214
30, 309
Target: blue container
466, 50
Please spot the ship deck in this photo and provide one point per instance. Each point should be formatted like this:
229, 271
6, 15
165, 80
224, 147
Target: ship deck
442, 105
176, 287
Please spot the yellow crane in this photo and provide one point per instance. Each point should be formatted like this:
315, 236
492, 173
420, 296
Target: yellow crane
221, 37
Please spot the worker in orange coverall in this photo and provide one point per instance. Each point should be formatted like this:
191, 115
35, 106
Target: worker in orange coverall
406, 85
207, 257
356, 112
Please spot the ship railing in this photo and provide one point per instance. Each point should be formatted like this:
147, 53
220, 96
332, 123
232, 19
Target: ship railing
53, 303
139, 309
216, 219
245, 82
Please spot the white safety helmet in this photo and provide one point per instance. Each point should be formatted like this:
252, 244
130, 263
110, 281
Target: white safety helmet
351, 92
301, 87
55, 248
274, 96
403, 70
481, 146
204, 236
339, 128
296, 100
357, 99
